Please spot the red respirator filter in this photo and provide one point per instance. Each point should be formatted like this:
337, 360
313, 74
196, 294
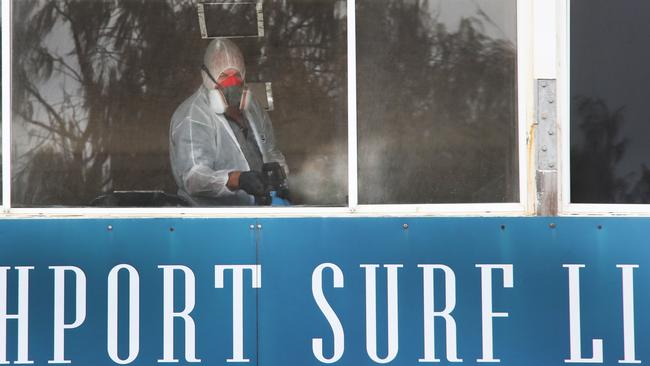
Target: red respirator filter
231, 80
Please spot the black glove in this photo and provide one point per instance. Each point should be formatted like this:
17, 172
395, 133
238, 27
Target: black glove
276, 178
252, 183
265, 200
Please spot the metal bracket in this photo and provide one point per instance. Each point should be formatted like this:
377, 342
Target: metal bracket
546, 148
546, 125
259, 18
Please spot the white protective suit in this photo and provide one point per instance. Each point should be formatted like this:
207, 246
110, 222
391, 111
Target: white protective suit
203, 147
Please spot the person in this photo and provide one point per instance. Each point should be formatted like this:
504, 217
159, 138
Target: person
220, 137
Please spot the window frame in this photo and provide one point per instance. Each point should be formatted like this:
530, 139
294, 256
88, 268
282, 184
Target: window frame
567, 208
6, 106
525, 112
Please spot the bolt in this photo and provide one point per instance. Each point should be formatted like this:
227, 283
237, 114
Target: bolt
503, 227
544, 116
543, 84
551, 165
551, 101
552, 225
171, 229
600, 227
544, 148
405, 226
252, 227
109, 227
259, 226
551, 132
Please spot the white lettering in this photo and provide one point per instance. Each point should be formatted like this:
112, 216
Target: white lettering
628, 313
238, 302
169, 314
574, 321
330, 315
487, 315
59, 308
430, 314
371, 312
22, 316
134, 313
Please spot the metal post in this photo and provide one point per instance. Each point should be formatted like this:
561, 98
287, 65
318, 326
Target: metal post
546, 148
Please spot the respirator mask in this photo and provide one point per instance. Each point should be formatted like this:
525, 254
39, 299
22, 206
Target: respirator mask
231, 91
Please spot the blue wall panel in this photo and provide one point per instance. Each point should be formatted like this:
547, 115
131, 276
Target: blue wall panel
282, 318
537, 329
144, 244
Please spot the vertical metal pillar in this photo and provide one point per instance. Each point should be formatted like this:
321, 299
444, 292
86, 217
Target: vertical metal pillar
546, 148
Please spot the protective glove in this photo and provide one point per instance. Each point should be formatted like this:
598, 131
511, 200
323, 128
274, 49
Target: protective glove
276, 178
252, 182
264, 200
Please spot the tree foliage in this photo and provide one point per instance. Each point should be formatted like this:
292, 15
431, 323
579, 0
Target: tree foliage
96, 83
437, 108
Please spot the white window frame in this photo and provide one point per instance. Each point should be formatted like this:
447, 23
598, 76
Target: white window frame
564, 105
6, 105
524, 121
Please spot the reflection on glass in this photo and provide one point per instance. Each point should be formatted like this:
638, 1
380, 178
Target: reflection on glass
610, 84
1, 175
96, 83
437, 101
242, 23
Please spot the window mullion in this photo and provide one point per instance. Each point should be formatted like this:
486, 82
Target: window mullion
353, 187
564, 112
6, 106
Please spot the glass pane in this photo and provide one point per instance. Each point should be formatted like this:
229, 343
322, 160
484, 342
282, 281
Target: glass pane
437, 101
610, 84
97, 84
1, 174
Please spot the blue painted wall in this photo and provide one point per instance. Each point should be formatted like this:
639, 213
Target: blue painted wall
282, 318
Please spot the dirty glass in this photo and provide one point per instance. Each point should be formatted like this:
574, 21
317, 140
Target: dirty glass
1, 171
216, 25
437, 99
610, 84
96, 83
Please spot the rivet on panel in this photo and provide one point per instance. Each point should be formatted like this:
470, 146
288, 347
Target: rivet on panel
109, 227
171, 229
252, 227
405, 226
552, 225
503, 227
259, 226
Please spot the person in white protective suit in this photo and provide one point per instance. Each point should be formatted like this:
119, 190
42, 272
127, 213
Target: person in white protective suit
220, 136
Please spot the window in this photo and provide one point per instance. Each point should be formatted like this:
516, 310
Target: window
437, 101
373, 103
1, 151
97, 82
609, 85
